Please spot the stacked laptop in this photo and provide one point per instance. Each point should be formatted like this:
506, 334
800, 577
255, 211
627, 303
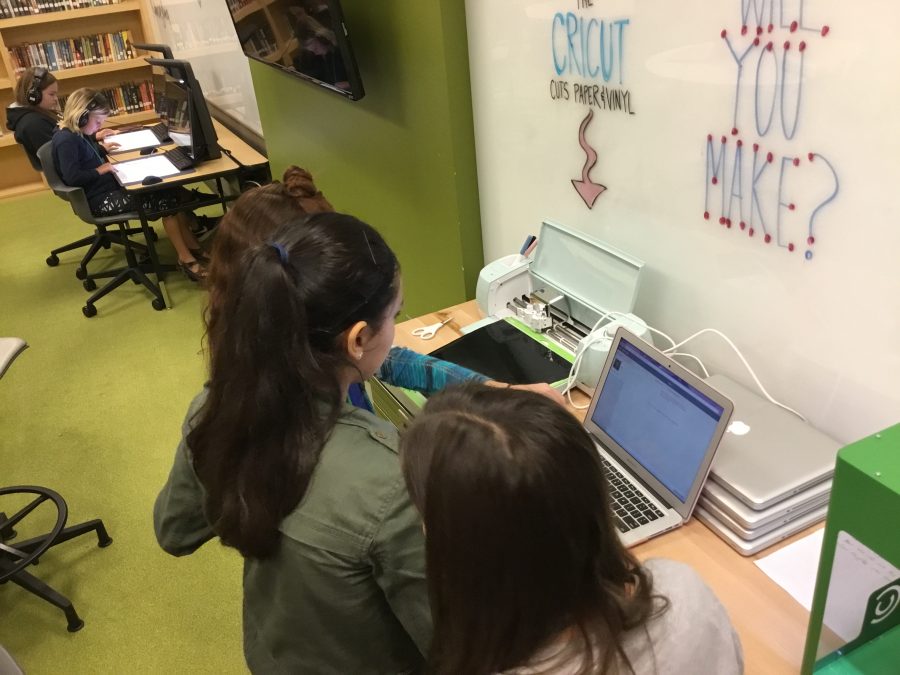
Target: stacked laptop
771, 476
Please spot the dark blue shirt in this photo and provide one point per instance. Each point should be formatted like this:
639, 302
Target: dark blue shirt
76, 158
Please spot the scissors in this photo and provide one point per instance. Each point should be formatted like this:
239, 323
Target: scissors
427, 332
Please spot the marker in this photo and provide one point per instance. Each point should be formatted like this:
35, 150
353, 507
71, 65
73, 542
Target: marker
531, 248
529, 240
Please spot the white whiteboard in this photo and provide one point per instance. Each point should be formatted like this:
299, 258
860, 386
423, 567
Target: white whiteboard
822, 333
201, 31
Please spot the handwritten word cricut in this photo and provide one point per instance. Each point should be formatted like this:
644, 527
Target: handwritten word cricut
573, 40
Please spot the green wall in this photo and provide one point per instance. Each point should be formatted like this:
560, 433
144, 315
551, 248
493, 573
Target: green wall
402, 158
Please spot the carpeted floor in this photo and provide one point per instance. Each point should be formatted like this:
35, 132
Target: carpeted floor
93, 409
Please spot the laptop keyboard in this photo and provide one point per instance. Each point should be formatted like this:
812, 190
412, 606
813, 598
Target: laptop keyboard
181, 159
631, 508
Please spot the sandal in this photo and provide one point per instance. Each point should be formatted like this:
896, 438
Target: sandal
193, 270
199, 255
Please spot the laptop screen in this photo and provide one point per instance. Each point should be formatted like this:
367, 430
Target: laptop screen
174, 109
662, 421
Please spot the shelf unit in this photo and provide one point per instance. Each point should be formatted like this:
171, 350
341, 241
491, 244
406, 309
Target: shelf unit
16, 173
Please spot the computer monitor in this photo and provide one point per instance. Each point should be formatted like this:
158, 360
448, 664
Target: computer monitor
173, 105
165, 50
181, 86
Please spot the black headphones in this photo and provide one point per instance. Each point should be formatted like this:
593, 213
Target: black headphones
92, 105
35, 93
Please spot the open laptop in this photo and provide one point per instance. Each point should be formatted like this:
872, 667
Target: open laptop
657, 426
768, 454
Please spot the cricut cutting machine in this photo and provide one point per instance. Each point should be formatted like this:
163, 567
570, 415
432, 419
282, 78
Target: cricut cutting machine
576, 292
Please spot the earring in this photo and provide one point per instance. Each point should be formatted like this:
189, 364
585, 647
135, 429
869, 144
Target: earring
359, 355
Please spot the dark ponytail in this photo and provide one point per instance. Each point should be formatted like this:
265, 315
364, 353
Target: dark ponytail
275, 369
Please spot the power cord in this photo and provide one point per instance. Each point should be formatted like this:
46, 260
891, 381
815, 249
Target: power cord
671, 352
737, 351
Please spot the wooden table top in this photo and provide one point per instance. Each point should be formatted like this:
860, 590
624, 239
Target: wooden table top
242, 152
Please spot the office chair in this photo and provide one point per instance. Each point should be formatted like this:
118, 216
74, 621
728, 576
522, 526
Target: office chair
101, 238
16, 556
134, 271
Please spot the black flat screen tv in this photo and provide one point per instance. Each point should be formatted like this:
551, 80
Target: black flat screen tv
306, 38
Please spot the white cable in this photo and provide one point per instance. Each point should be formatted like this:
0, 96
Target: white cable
576, 364
743, 360
702, 367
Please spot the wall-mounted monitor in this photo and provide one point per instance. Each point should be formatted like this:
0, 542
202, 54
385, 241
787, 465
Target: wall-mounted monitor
306, 38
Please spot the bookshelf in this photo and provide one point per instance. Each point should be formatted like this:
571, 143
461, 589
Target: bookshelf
104, 61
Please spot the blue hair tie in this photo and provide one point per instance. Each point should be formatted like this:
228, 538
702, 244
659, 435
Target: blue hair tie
282, 252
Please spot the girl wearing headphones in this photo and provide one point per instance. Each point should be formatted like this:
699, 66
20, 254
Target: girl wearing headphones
82, 162
526, 572
35, 114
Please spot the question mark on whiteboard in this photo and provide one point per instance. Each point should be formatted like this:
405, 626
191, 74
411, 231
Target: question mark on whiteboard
811, 238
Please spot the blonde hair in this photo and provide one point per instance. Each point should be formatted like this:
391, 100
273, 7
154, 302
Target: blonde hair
79, 102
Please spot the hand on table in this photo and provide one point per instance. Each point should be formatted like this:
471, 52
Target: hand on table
105, 168
105, 133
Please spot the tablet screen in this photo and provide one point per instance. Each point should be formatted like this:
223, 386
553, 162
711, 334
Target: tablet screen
504, 353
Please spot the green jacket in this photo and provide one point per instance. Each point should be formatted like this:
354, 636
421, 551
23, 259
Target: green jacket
346, 592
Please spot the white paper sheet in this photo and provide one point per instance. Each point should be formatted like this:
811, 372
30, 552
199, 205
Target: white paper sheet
794, 567
133, 140
135, 170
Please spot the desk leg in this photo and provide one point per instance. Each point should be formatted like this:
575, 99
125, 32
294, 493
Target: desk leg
221, 194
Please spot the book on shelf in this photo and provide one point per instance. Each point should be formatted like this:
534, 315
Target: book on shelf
10, 9
73, 52
235, 5
127, 97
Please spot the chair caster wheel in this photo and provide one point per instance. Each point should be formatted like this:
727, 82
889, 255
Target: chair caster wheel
52, 261
158, 304
80, 273
75, 627
106, 243
89, 285
106, 542
89, 311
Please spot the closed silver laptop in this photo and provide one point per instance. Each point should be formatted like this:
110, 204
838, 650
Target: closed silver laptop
783, 511
768, 454
657, 427
749, 547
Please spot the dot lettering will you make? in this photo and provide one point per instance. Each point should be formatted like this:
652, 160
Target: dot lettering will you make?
754, 189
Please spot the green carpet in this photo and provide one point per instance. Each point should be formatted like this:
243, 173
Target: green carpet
93, 409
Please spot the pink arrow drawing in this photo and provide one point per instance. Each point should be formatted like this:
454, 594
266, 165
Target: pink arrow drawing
588, 190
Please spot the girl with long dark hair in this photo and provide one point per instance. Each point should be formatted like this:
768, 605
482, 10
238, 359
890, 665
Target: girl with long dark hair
253, 219
526, 573
305, 486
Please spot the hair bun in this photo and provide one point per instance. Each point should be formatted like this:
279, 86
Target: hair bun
298, 183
